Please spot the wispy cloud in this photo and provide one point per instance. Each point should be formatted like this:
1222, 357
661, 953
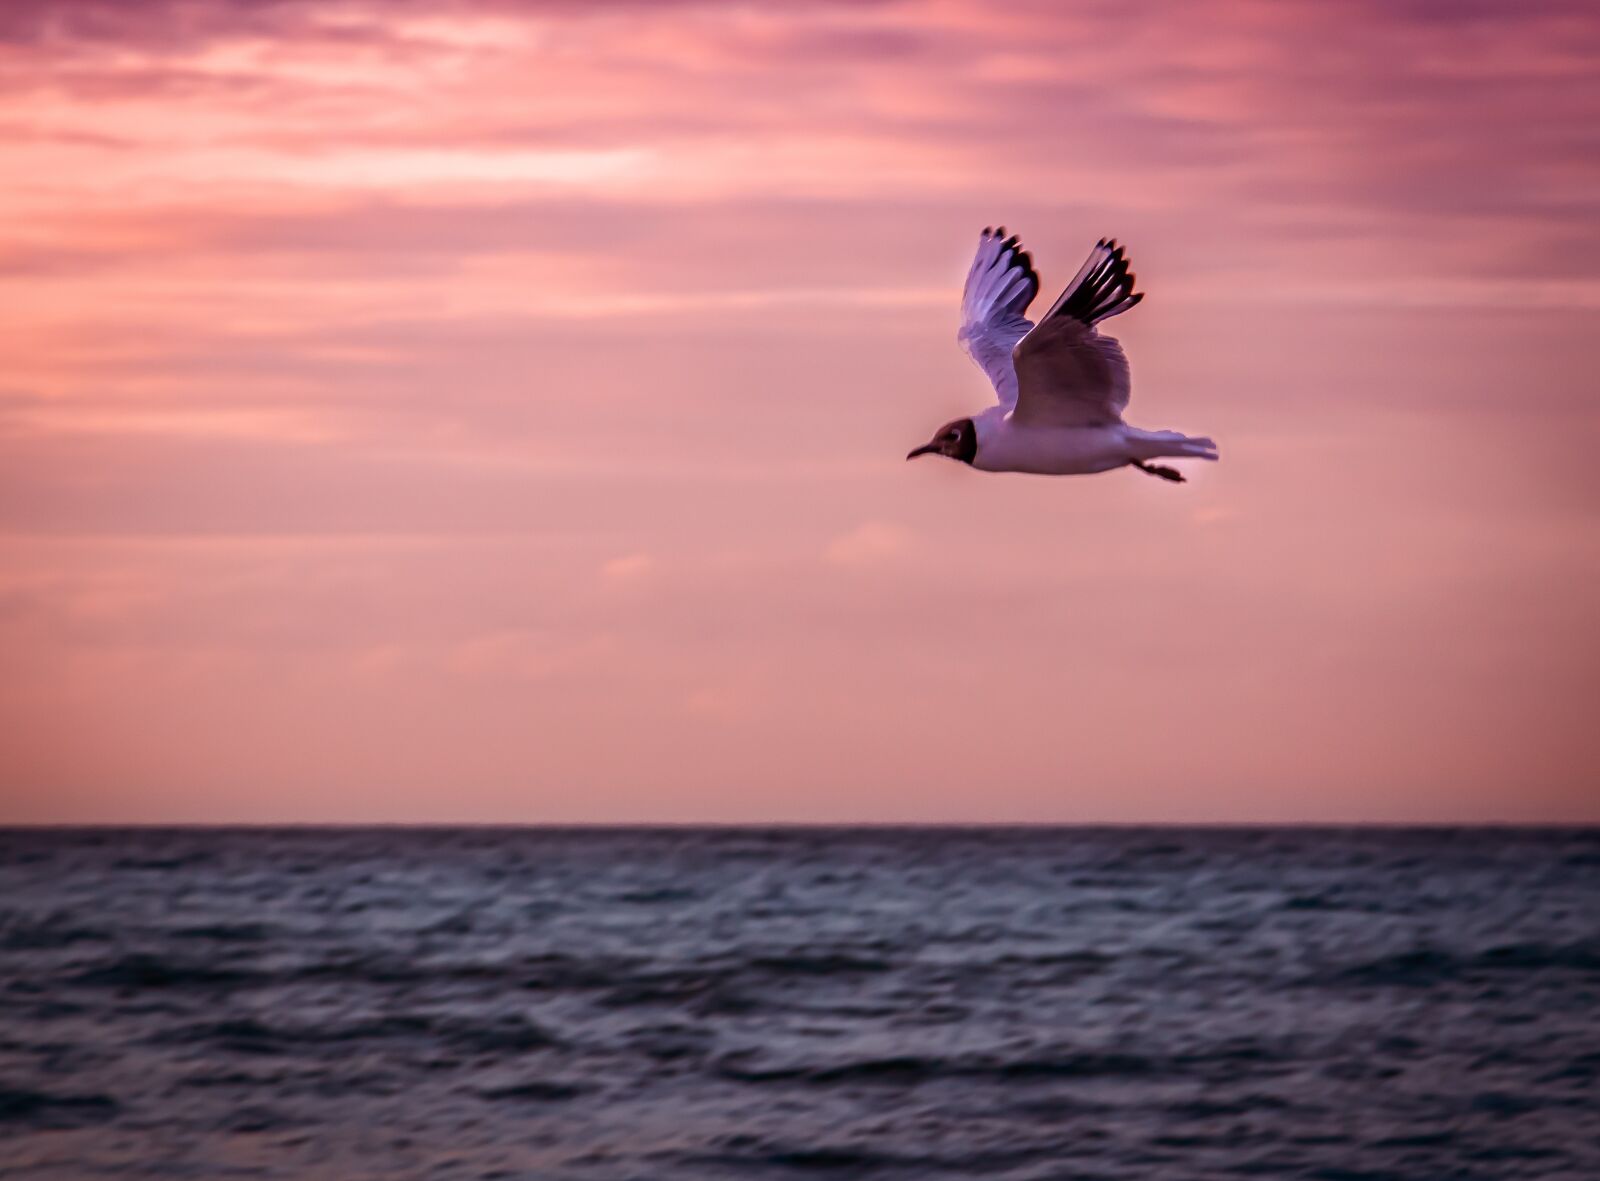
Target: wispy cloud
869, 543
630, 568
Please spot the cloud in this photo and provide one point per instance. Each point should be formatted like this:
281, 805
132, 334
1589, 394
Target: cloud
1214, 515
870, 543
717, 704
628, 569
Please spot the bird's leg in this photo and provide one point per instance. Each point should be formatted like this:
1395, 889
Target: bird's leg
1155, 469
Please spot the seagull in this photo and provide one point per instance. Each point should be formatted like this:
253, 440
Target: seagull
1062, 386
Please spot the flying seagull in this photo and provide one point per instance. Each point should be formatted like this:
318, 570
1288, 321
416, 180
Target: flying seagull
1062, 386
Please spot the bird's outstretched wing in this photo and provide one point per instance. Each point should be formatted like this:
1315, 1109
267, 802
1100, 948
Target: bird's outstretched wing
1067, 373
1000, 286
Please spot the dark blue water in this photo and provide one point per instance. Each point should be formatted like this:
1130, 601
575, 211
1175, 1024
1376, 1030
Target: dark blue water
345, 1004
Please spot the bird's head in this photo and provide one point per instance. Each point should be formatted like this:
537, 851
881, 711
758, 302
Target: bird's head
958, 440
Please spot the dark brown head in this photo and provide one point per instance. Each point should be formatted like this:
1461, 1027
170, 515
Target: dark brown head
958, 440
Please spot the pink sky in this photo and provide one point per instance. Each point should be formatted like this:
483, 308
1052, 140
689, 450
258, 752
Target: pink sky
495, 411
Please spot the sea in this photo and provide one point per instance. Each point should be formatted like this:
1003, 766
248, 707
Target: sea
1038, 1004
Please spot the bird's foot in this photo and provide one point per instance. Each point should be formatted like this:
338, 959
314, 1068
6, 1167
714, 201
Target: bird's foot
1155, 469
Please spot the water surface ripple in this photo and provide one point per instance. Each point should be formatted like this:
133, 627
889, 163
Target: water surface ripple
1337, 1005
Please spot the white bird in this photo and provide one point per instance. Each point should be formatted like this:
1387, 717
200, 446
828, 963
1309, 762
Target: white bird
1062, 386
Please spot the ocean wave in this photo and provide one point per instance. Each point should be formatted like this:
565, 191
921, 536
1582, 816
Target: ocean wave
44, 1109
536, 1091
908, 1069
500, 1035
1425, 967
21, 932
689, 1005
144, 970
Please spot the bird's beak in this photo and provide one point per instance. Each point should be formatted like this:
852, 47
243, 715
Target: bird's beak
923, 450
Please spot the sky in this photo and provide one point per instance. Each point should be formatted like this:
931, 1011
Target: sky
496, 411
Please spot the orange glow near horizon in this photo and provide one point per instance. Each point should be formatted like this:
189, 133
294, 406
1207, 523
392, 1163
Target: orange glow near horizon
495, 411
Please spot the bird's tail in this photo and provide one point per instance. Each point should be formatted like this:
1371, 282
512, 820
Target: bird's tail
1168, 444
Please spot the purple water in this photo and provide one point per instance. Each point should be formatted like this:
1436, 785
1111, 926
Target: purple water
701, 1003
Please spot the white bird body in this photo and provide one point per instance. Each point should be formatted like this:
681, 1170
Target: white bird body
1061, 386
1045, 450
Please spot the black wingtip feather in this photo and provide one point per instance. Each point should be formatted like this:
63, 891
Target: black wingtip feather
1106, 290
